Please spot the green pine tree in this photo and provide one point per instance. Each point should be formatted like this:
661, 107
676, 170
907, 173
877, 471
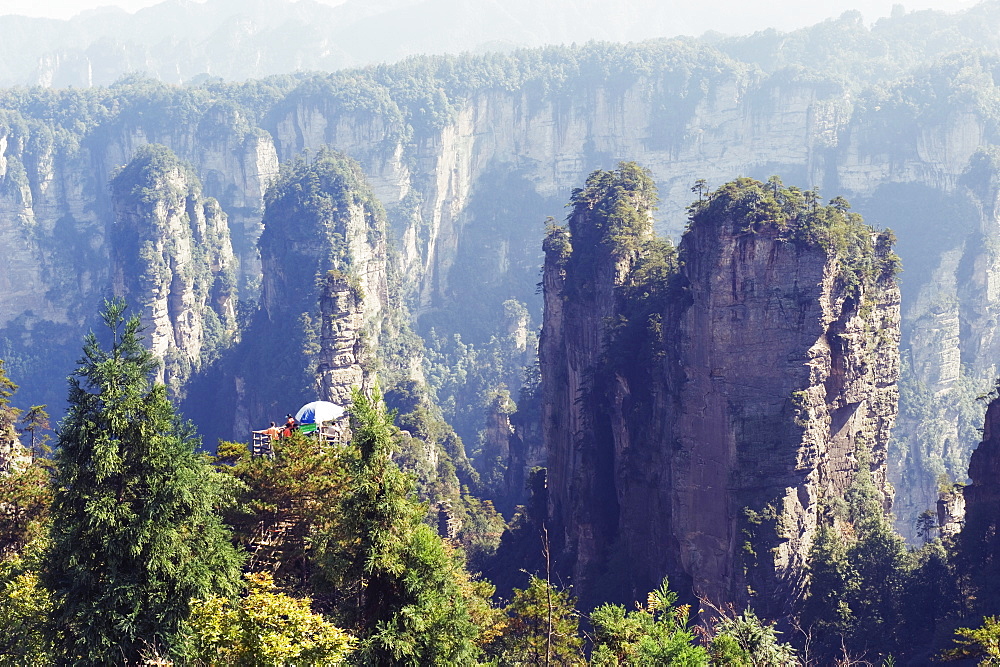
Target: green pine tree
135, 529
654, 634
543, 628
401, 584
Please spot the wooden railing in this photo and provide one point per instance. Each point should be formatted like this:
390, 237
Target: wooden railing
331, 434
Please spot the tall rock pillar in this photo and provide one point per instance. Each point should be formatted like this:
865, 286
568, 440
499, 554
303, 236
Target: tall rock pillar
702, 410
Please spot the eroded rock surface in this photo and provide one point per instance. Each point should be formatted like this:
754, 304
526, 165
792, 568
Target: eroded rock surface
696, 419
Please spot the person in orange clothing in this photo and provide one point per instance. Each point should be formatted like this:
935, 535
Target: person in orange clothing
290, 426
271, 432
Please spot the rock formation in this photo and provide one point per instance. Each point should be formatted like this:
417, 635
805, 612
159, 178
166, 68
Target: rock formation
323, 297
341, 355
697, 416
172, 261
979, 540
467, 171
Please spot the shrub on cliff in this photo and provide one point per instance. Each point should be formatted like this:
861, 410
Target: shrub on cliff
798, 216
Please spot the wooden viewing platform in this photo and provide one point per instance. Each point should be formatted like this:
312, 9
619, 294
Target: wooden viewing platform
330, 434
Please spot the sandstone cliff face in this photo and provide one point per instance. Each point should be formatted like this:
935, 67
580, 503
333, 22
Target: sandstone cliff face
710, 459
732, 127
786, 376
342, 350
172, 260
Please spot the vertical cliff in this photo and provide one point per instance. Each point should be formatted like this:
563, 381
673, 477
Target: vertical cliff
698, 414
789, 354
323, 295
586, 265
341, 363
979, 540
172, 259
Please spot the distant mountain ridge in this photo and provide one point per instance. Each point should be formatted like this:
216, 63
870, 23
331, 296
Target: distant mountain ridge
178, 40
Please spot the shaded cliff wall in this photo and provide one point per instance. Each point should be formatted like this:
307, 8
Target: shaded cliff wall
171, 258
585, 267
697, 417
979, 540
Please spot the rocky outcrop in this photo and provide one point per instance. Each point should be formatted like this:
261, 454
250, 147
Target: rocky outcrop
950, 511
172, 259
788, 375
698, 419
324, 294
341, 365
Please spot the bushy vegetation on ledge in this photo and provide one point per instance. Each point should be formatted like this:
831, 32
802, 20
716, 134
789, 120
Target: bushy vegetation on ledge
864, 255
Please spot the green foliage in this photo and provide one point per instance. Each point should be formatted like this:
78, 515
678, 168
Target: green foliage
656, 634
308, 208
832, 585
25, 498
612, 211
7, 389
867, 591
284, 502
399, 582
746, 640
846, 51
470, 384
794, 215
135, 527
26, 633
140, 182
542, 628
431, 451
25, 495
898, 110
264, 627
982, 643
932, 447
34, 422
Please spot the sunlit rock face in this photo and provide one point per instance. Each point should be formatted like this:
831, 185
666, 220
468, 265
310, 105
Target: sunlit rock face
787, 385
172, 260
701, 439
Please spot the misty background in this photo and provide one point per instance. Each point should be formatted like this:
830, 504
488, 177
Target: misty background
64, 43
